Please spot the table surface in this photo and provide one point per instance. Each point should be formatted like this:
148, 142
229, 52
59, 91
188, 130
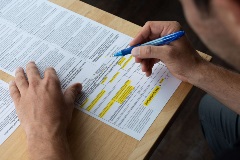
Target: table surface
88, 137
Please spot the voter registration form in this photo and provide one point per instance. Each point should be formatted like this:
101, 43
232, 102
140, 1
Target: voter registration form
115, 90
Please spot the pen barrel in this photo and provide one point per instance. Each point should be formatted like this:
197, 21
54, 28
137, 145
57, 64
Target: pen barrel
129, 50
166, 39
157, 42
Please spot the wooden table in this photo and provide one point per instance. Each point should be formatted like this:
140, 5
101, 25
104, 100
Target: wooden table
89, 138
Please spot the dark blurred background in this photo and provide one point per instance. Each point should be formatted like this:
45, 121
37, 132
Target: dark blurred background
184, 139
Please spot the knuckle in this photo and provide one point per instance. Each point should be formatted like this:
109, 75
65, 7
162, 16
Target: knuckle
21, 84
20, 78
176, 24
148, 23
147, 50
49, 72
13, 94
51, 79
34, 83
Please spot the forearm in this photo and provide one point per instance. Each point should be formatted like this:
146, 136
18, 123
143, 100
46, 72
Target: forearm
223, 84
42, 147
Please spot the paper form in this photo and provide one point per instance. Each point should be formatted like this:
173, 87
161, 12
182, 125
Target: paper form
8, 118
115, 91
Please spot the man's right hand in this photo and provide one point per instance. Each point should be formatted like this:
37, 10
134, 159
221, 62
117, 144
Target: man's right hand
179, 56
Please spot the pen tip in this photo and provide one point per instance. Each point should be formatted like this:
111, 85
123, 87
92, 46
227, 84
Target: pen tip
117, 54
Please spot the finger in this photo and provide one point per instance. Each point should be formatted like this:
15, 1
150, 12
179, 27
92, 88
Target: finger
152, 30
50, 73
145, 65
51, 79
143, 35
14, 92
72, 92
145, 52
32, 72
21, 81
156, 61
155, 29
150, 67
138, 60
148, 74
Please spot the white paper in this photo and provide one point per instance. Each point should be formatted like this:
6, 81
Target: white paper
8, 118
115, 91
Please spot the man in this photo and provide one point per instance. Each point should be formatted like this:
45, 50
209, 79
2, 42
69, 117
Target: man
45, 112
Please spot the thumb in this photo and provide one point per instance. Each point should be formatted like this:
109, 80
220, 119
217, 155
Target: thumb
147, 52
72, 92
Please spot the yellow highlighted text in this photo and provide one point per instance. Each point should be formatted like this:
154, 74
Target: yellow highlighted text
94, 102
84, 103
114, 77
125, 94
106, 109
120, 62
119, 97
151, 96
126, 63
104, 80
161, 81
122, 89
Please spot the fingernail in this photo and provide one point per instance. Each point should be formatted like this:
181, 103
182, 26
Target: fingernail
19, 69
11, 83
136, 51
79, 89
31, 62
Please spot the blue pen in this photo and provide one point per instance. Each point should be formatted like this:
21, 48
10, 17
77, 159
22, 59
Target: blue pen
157, 42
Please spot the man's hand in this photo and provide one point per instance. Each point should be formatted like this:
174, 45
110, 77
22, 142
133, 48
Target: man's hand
179, 56
184, 63
44, 111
